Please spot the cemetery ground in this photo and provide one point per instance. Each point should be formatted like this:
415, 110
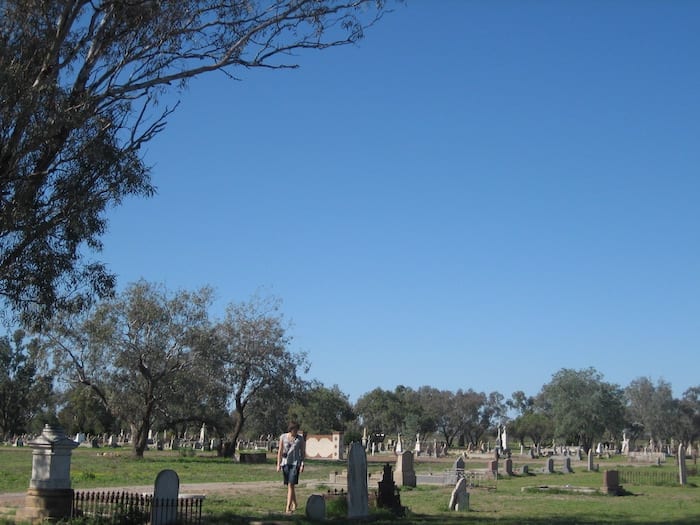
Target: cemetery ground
238, 493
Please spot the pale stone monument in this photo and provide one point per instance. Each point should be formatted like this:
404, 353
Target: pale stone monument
459, 500
405, 474
358, 500
50, 496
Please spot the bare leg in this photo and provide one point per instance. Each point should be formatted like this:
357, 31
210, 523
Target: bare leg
293, 504
291, 498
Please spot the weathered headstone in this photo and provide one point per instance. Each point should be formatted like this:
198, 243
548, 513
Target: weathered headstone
316, 508
611, 482
525, 470
358, 501
682, 471
549, 466
165, 493
567, 465
509, 467
493, 468
459, 499
590, 460
405, 473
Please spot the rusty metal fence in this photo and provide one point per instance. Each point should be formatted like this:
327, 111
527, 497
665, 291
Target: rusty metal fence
125, 508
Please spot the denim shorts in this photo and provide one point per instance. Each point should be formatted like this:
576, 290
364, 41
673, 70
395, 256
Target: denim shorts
291, 474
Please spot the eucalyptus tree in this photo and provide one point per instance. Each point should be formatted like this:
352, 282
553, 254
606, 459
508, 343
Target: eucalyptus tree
83, 87
689, 421
26, 391
255, 360
381, 412
142, 353
582, 406
652, 408
322, 410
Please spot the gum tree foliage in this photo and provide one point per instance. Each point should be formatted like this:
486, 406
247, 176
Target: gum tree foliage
380, 412
322, 410
81, 410
582, 406
536, 426
689, 407
80, 86
652, 408
25, 392
142, 354
254, 359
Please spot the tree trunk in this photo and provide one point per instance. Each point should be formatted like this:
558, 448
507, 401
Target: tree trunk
140, 438
237, 426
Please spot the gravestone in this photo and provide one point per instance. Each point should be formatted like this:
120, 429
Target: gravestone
316, 508
525, 470
388, 495
682, 472
459, 499
405, 473
590, 460
567, 465
358, 501
611, 483
549, 467
493, 468
509, 467
165, 494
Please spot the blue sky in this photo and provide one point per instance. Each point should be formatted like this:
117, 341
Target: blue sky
477, 195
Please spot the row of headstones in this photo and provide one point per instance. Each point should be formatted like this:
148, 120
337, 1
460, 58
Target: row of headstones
358, 495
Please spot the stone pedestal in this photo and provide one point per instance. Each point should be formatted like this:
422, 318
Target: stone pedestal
46, 504
50, 495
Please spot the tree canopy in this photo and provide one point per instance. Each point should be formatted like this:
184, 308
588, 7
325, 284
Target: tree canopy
80, 84
139, 353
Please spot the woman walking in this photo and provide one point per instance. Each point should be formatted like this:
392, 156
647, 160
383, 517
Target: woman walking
290, 459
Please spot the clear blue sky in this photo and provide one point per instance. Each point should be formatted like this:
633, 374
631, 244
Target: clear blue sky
477, 195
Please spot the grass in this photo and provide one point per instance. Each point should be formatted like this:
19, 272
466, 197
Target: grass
510, 502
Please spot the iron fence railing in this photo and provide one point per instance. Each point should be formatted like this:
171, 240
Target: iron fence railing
125, 508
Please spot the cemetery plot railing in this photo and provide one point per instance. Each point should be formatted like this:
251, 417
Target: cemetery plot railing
124, 507
479, 479
650, 477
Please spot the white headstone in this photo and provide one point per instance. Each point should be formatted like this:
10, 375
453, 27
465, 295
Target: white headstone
358, 501
165, 494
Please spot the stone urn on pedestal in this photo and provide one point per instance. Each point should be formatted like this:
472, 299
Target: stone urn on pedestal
50, 495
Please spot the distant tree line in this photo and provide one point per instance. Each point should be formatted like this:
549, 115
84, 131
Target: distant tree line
149, 359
